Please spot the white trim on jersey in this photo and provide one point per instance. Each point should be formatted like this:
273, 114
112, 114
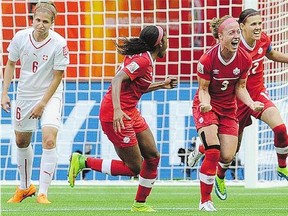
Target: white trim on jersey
222, 60
246, 44
224, 78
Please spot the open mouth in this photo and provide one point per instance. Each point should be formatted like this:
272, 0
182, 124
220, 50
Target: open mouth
257, 33
235, 43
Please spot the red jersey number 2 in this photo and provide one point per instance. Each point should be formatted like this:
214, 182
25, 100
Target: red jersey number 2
254, 68
34, 66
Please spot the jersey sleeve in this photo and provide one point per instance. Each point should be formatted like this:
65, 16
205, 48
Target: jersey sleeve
203, 68
269, 44
247, 67
14, 48
136, 68
61, 59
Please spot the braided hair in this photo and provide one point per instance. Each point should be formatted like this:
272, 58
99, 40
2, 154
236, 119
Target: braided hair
146, 42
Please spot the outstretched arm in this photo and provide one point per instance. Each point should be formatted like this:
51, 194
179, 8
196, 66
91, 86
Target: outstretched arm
168, 83
277, 56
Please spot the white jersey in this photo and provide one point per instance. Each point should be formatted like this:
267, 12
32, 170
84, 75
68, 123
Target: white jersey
38, 60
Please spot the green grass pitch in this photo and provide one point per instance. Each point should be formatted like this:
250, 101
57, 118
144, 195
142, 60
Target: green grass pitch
167, 200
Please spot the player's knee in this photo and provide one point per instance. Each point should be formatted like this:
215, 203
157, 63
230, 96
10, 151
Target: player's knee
207, 143
22, 141
49, 143
226, 160
152, 155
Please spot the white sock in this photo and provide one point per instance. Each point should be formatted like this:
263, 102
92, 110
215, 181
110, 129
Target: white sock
24, 164
47, 168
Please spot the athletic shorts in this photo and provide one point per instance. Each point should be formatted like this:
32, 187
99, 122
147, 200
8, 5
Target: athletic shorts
51, 115
244, 112
127, 137
226, 124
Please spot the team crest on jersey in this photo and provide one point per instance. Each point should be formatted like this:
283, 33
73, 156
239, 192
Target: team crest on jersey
200, 68
65, 51
260, 50
236, 71
132, 67
45, 57
215, 71
201, 120
126, 139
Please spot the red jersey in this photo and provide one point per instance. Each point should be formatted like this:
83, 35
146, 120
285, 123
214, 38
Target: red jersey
223, 77
255, 82
139, 68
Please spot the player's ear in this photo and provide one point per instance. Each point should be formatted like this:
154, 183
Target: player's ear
219, 36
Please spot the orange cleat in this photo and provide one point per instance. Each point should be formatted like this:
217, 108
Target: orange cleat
42, 199
20, 194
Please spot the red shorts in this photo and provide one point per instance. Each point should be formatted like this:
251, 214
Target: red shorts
244, 112
226, 124
127, 137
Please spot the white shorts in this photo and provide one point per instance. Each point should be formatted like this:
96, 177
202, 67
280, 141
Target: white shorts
51, 115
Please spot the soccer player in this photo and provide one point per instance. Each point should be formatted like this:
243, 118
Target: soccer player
122, 122
258, 45
43, 56
222, 73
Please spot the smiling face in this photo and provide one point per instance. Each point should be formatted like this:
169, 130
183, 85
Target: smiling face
230, 37
163, 47
252, 28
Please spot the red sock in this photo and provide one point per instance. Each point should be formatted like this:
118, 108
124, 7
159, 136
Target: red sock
221, 169
221, 172
281, 141
201, 149
111, 167
147, 178
207, 173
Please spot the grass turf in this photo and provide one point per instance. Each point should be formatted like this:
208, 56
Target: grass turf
167, 200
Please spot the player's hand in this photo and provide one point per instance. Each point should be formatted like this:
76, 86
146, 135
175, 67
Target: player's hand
5, 103
205, 107
37, 111
118, 123
170, 83
257, 106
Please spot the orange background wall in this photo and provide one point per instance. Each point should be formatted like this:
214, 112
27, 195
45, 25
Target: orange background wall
92, 55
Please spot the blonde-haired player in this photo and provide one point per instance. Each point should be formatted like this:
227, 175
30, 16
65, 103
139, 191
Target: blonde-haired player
43, 56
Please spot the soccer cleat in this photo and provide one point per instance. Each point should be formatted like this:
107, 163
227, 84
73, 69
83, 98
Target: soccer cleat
194, 156
77, 163
42, 199
20, 194
220, 188
282, 172
207, 206
141, 207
